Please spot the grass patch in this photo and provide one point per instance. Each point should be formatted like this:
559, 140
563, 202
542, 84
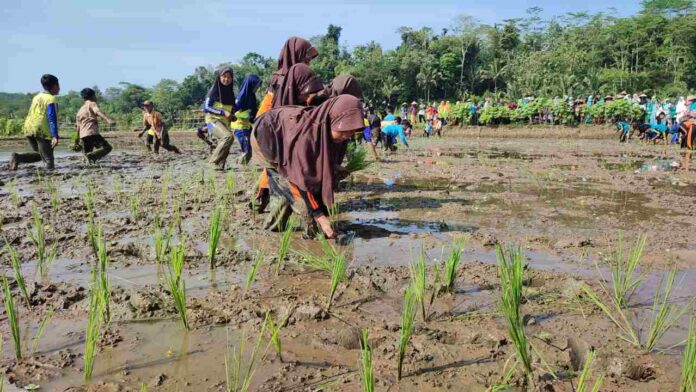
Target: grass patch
356, 157
688, 367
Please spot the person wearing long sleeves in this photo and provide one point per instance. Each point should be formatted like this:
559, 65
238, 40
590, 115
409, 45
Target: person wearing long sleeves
219, 112
41, 126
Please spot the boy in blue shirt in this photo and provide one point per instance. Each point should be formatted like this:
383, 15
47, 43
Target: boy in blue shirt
390, 132
41, 126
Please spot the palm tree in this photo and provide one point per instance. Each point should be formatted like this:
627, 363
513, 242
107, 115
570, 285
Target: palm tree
390, 86
496, 69
428, 78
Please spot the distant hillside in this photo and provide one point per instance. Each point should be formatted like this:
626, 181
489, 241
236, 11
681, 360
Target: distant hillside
14, 104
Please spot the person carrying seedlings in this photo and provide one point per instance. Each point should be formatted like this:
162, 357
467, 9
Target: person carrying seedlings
219, 113
94, 145
245, 106
390, 133
156, 131
41, 126
295, 50
302, 149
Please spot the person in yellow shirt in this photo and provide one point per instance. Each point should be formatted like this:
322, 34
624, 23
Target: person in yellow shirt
41, 126
219, 113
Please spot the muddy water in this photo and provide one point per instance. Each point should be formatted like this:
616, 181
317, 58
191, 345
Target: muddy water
557, 199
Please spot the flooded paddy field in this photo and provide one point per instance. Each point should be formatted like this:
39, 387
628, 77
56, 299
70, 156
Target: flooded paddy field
564, 200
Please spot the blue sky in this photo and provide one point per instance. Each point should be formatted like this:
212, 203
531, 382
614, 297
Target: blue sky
88, 43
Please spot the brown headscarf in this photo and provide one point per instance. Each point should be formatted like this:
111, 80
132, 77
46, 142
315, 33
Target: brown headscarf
295, 50
297, 86
345, 84
298, 140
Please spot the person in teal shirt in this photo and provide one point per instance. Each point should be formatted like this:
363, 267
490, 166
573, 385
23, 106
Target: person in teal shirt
390, 133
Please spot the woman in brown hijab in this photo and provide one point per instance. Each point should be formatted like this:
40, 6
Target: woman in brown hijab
299, 87
345, 84
302, 149
295, 51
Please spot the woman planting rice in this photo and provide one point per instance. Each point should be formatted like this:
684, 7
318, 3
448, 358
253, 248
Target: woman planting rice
246, 107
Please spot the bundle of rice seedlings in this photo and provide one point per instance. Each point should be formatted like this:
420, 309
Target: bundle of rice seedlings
239, 372
408, 316
511, 274
665, 314
44, 255
417, 269
12, 318
585, 375
366, 371
624, 277
175, 282
451, 266
251, 276
688, 367
214, 234
285, 242
17, 270
356, 158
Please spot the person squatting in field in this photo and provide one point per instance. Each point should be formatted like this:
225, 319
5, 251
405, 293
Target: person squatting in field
41, 126
94, 146
156, 130
392, 131
301, 149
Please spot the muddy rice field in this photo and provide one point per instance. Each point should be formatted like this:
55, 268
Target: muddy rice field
563, 195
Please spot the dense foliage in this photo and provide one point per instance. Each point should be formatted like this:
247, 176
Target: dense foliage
577, 54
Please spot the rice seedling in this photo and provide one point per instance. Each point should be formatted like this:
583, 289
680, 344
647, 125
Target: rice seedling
583, 381
89, 201
212, 191
624, 281
176, 210
451, 266
52, 190
214, 234
511, 274
17, 270
135, 206
164, 193
94, 322
176, 284
274, 329
239, 372
14, 192
367, 374
251, 276
143, 387
616, 315
334, 210
12, 318
665, 314
103, 277
285, 243
230, 186
44, 255
118, 190
255, 182
688, 367
504, 384
161, 240
408, 317
146, 188
356, 158
338, 273
41, 330
417, 270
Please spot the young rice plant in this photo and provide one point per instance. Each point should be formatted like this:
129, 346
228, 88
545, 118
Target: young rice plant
408, 317
214, 235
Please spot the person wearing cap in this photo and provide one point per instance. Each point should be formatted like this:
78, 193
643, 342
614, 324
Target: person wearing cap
94, 146
156, 131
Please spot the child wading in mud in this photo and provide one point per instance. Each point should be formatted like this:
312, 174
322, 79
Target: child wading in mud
41, 126
94, 145
155, 128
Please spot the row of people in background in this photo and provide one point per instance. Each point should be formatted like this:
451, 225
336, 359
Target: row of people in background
681, 129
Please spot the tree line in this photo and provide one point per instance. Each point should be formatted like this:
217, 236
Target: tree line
576, 54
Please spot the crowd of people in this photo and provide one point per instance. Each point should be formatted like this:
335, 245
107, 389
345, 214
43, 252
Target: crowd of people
300, 131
